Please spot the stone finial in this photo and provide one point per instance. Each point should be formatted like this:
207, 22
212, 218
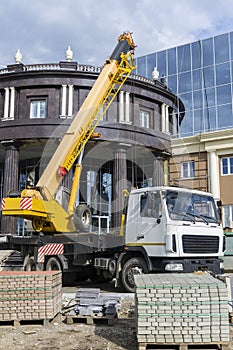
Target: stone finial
155, 74
69, 54
18, 57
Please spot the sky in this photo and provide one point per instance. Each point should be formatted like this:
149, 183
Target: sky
44, 29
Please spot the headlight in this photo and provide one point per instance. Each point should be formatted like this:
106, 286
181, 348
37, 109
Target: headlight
174, 267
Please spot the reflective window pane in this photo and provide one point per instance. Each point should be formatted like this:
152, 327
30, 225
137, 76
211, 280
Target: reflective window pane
225, 119
141, 66
231, 43
187, 101
207, 50
197, 99
171, 57
209, 115
151, 63
184, 58
197, 79
161, 63
223, 73
209, 97
198, 120
208, 76
186, 127
223, 94
185, 82
172, 83
196, 56
221, 48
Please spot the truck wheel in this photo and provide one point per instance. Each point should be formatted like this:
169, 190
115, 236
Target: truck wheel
82, 217
134, 266
53, 264
29, 264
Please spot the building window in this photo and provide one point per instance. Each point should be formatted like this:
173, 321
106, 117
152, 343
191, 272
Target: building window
227, 166
124, 107
38, 109
145, 119
188, 169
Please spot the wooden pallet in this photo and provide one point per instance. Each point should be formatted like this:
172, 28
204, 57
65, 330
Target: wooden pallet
90, 320
18, 323
183, 346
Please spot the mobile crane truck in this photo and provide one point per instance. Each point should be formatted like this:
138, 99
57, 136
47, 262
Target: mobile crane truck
163, 228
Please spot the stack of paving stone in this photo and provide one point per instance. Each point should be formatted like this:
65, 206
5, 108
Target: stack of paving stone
181, 308
91, 303
34, 295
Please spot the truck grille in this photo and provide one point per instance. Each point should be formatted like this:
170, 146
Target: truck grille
200, 244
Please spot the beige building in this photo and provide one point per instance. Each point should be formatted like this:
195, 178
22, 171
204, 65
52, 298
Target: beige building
205, 162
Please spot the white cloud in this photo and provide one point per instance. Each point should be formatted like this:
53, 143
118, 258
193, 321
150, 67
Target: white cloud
44, 29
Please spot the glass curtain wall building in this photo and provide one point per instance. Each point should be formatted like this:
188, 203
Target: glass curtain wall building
201, 75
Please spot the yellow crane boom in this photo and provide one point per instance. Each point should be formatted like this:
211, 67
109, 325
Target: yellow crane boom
44, 211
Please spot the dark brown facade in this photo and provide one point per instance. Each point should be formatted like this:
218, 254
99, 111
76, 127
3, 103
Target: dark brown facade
37, 104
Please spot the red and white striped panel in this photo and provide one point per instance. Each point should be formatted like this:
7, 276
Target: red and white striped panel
3, 204
26, 203
50, 249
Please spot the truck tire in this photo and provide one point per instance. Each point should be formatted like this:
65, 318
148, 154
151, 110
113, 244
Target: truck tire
29, 264
134, 266
82, 218
53, 264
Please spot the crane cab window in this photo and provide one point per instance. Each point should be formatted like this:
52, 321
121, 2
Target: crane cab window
150, 205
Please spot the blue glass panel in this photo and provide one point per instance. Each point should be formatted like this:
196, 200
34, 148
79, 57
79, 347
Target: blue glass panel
196, 55
172, 83
207, 51
184, 59
223, 94
186, 127
208, 76
171, 57
187, 100
141, 66
198, 120
225, 119
209, 115
161, 63
197, 79
209, 97
221, 48
231, 43
151, 63
223, 73
197, 99
184, 83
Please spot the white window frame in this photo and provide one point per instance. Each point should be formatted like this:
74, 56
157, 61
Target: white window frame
190, 169
228, 166
38, 114
144, 119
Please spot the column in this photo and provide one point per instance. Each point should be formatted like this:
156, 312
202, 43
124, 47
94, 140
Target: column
70, 101
127, 107
12, 103
158, 171
6, 103
11, 182
213, 174
167, 118
163, 118
63, 101
119, 184
121, 106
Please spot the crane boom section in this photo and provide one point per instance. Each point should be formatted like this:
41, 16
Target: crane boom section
99, 99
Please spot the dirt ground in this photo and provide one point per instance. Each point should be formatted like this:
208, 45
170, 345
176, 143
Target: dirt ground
78, 336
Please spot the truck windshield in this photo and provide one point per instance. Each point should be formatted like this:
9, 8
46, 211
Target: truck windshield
191, 207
